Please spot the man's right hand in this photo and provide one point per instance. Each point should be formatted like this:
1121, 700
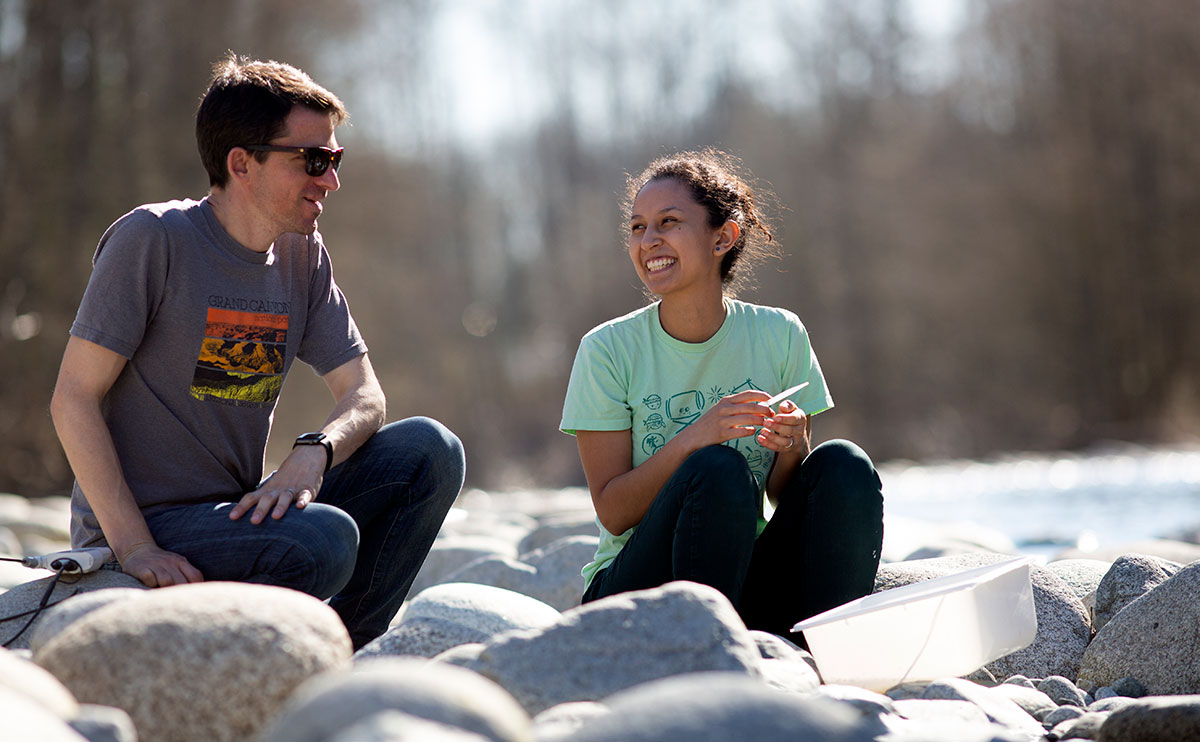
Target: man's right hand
157, 567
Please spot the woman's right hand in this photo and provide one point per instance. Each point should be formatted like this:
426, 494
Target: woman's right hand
735, 416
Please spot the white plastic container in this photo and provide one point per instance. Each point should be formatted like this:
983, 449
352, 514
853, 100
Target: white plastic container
945, 627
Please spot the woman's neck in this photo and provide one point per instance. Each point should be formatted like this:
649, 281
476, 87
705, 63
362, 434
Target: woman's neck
692, 322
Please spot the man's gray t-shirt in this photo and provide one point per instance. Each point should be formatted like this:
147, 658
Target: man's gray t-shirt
210, 329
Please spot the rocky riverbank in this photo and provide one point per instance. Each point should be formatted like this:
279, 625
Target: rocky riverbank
493, 645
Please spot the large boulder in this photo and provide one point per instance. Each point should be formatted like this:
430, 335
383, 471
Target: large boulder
435, 692
717, 707
1063, 624
209, 662
618, 642
68, 611
455, 613
1083, 576
1153, 639
551, 574
559, 526
22, 601
1130, 577
21, 676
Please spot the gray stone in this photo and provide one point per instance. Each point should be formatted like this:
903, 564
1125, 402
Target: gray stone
183, 660
397, 726
1063, 630
1085, 726
941, 709
461, 656
432, 691
1063, 692
551, 575
620, 641
868, 703
1129, 687
1105, 691
998, 708
22, 676
25, 598
27, 720
907, 691
791, 674
454, 613
1130, 577
452, 553
104, 724
1061, 714
718, 707
1112, 703
553, 528
1020, 680
1153, 639
1154, 719
1083, 575
63, 614
559, 723
1034, 702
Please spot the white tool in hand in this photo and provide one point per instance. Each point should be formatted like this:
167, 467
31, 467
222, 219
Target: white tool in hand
785, 394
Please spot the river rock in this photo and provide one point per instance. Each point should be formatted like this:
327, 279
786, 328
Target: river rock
455, 613
27, 596
451, 553
26, 720
1154, 719
1130, 577
621, 641
1033, 701
1085, 726
1153, 640
552, 574
559, 723
210, 661
21, 676
431, 691
995, 705
718, 707
104, 724
397, 726
1063, 692
65, 613
1063, 625
555, 527
1083, 576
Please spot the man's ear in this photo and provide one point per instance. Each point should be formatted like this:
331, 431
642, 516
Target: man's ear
727, 237
237, 162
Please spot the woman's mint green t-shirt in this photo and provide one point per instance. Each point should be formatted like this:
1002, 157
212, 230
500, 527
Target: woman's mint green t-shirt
629, 374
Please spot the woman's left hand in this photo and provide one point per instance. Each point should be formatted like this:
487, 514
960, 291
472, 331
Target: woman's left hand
786, 431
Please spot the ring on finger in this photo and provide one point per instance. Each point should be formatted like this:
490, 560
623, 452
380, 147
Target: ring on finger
791, 442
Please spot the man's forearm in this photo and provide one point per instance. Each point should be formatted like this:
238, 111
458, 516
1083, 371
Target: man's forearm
93, 459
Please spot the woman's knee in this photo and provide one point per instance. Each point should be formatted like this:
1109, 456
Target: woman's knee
721, 472
846, 463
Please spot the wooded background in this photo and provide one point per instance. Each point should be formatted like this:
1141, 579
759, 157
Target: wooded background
990, 236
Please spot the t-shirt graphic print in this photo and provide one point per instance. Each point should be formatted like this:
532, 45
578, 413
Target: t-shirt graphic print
241, 358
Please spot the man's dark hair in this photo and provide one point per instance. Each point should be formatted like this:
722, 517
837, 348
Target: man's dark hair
247, 102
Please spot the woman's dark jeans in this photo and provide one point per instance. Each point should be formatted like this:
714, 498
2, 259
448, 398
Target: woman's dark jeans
359, 544
820, 549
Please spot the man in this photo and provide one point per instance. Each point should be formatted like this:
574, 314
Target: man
193, 315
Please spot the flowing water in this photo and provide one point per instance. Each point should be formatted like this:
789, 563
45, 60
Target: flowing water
1046, 503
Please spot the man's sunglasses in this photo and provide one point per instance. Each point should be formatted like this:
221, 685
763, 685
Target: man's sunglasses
316, 159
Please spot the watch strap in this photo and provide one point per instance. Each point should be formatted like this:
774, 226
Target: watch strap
317, 439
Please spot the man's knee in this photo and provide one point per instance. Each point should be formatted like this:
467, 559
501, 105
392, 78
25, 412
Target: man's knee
444, 459
319, 553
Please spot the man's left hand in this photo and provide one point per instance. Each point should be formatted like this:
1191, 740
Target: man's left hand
291, 484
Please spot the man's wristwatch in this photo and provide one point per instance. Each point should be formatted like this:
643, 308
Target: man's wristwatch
317, 439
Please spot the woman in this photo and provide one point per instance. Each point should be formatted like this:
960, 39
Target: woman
668, 406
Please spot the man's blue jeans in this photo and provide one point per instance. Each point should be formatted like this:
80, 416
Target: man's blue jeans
360, 543
820, 549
